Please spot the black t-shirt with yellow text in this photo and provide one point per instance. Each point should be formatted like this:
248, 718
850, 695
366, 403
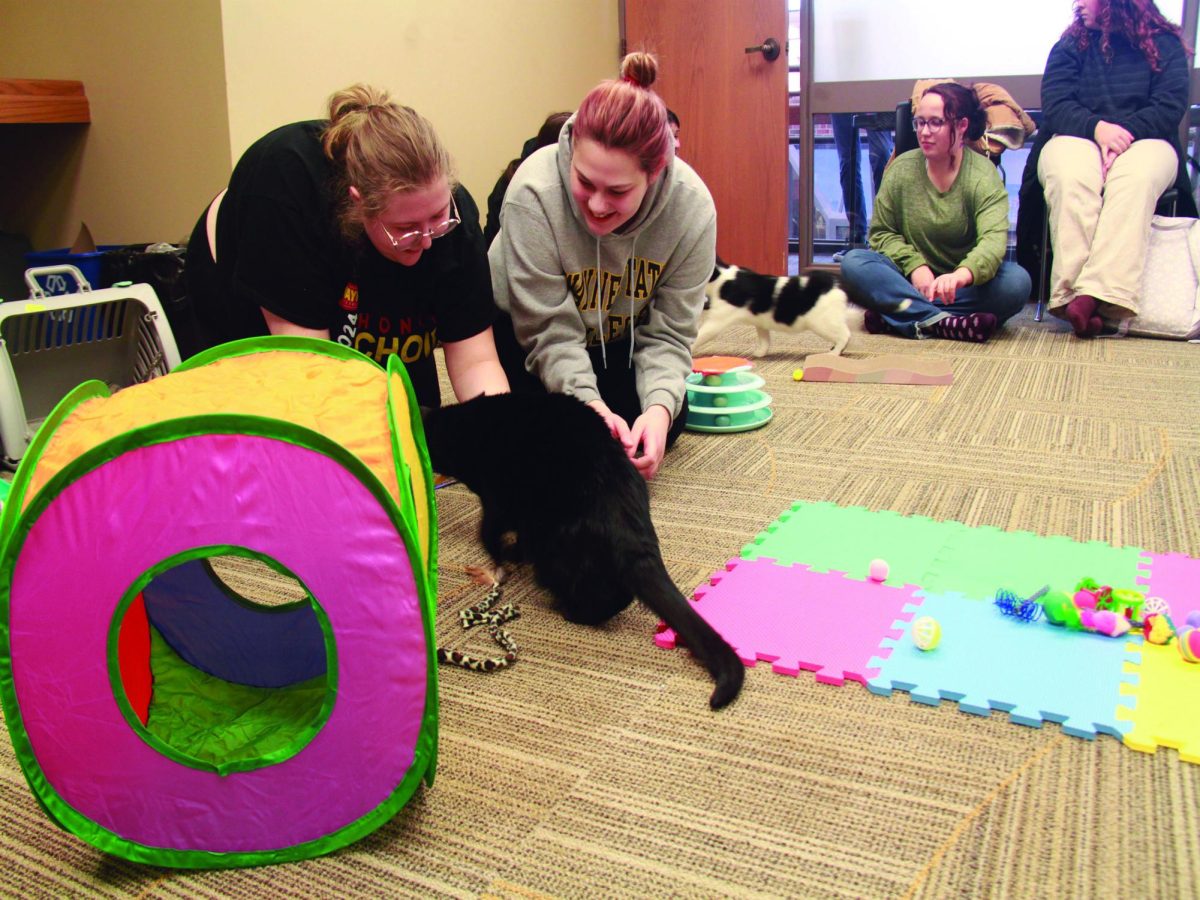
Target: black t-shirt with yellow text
278, 248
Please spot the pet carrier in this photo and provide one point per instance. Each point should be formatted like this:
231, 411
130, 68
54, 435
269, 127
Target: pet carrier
49, 344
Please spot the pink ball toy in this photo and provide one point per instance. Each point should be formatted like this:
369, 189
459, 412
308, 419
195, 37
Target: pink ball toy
878, 570
1085, 599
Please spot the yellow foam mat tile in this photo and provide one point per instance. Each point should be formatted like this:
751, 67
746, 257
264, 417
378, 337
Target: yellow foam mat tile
1166, 700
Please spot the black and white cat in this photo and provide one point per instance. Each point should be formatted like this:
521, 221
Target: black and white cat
790, 304
546, 468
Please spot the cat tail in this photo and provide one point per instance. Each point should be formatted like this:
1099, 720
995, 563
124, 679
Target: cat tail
862, 301
654, 587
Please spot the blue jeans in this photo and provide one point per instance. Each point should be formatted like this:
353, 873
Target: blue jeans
877, 283
879, 148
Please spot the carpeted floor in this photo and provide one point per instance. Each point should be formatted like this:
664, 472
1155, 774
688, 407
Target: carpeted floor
594, 767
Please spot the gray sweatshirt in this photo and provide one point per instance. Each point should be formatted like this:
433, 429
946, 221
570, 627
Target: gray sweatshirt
544, 275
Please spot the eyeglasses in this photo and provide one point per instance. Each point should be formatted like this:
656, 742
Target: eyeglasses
411, 239
932, 124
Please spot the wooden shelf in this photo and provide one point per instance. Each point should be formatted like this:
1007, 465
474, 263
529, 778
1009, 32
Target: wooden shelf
39, 100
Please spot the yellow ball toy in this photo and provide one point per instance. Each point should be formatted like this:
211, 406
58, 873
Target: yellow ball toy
798, 375
926, 633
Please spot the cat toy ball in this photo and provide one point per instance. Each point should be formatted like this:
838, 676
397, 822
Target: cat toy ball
926, 633
1155, 606
878, 570
1189, 644
1158, 628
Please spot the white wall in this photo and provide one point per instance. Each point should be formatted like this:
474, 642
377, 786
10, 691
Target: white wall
871, 40
484, 73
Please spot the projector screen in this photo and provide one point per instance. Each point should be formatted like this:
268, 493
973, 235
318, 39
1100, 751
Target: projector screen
871, 40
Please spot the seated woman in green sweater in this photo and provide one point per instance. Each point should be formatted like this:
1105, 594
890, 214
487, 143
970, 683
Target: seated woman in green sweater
939, 233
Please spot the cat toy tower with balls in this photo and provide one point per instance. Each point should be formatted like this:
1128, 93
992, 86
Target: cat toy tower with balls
724, 396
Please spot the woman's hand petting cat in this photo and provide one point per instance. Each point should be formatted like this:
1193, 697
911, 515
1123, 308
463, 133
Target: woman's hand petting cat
945, 286
650, 431
617, 426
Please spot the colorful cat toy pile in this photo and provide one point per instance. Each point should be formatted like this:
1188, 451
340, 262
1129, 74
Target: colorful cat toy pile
1108, 611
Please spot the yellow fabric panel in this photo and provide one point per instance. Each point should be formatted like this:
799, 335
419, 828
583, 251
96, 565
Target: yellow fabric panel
412, 458
345, 400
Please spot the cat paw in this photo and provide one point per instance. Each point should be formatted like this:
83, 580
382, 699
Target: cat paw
486, 575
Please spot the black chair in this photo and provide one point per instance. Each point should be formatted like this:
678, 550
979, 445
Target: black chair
906, 138
1167, 203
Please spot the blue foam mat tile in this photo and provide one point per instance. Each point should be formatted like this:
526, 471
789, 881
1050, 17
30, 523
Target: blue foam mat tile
1034, 671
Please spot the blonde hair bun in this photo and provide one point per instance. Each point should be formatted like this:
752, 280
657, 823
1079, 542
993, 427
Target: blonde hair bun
641, 68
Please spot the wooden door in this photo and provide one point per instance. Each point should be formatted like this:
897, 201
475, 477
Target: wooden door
733, 111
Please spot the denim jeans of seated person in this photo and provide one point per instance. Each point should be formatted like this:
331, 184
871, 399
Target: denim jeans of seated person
880, 283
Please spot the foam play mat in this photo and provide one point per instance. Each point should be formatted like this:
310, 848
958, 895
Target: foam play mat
800, 596
156, 711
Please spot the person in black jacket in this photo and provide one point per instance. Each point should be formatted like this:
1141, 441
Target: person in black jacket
1113, 94
351, 229
547, 135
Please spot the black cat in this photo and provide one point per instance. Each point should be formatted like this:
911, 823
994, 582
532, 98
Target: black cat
546, 468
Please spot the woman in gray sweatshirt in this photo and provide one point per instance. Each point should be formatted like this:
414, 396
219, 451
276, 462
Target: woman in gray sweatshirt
606, 243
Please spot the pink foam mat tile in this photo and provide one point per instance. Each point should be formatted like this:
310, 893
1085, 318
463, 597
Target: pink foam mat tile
1176, 578
796, 618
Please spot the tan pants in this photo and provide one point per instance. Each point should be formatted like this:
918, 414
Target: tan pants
1100, 228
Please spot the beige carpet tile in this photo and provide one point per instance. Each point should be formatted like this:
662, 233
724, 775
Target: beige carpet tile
594, 768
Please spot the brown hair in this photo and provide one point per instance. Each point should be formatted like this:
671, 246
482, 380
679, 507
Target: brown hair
626, 115
547, 135
1138, 21
382, 149
959, 102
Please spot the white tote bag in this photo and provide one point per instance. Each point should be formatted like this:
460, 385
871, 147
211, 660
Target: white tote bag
1170, 301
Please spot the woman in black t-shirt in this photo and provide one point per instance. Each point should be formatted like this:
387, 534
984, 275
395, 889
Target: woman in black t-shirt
351, 229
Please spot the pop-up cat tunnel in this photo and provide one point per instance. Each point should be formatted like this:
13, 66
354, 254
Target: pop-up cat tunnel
217, 591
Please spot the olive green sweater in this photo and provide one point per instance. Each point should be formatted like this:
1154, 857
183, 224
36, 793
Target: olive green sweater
914, 224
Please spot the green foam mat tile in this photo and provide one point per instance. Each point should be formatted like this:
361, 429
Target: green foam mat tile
978, 561
827, 537
940, 556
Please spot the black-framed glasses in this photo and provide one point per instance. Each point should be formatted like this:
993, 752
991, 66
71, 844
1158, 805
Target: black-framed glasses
411, 239
933, 125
